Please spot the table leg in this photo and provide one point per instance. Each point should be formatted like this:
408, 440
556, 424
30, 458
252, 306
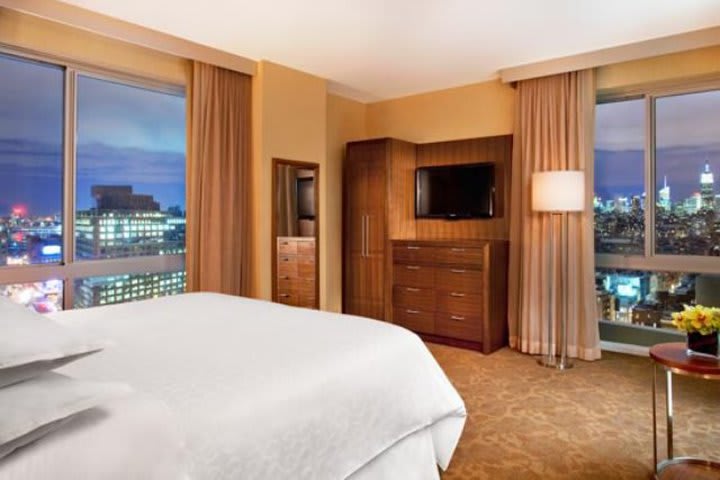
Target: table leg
669, 412
654, 416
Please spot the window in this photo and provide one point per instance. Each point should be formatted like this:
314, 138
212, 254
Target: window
657, 212
130, 188
31, 162
105, 151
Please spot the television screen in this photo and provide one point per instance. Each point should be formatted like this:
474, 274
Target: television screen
455, 191
306, 197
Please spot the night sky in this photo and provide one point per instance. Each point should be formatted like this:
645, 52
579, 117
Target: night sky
687, 135
126, 136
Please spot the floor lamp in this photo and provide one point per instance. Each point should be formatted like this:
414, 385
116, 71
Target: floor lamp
558, 193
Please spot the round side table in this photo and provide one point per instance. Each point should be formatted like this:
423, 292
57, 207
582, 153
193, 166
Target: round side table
674, 359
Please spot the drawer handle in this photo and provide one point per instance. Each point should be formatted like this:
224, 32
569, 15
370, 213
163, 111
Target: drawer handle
457, 317
459, 250
285, 259
284, 295
413, 267
411, 289
285, 278
413, 247
456, 270
455, 294
412, 312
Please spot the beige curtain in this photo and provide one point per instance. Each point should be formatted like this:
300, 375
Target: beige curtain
287, 217
553, 131
219, 181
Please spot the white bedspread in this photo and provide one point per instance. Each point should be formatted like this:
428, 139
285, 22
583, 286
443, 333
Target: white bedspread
264, 391
135, 437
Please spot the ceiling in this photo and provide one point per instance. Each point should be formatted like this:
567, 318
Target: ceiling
382, 49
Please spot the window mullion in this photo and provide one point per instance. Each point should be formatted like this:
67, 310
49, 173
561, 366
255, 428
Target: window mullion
650, 201
69, 179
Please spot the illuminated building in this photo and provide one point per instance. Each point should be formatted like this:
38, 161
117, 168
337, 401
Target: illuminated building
125, 224
707, 188
94, 291
664, 196
693, 204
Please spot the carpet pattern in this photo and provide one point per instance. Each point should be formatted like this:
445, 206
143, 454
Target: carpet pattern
590, 422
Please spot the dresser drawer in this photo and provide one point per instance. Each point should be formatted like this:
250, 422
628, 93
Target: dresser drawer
287, 267
305, 287
413, 298
412, 253
287, 298
305, 247
287, 285
414, 319
458, 279
306, 300
418, 276
286, 246
459, 303
306, 267
464, 327
470, 256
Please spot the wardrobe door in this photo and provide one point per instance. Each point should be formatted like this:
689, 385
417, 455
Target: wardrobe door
375, 237
355, 194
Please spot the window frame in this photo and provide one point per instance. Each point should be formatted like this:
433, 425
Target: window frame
69, 269
650, 260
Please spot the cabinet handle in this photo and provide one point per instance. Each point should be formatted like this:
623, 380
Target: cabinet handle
457, 250
412, 267
367, 236
457, 317
455, 294
362, 236
284, 295
411, 289
285, 278
412, 312
456, 270
413, 247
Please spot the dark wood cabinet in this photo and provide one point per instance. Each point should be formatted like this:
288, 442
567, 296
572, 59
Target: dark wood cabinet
452, 291
368, 215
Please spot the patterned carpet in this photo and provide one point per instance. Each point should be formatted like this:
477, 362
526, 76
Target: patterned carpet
591, 422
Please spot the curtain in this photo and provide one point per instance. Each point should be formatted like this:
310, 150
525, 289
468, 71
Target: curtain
553, 131
287, 214
218, 257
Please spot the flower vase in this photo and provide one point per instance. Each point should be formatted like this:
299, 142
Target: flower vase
703, 344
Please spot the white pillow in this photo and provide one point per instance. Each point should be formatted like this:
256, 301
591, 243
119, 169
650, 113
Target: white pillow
31, 344
38, 406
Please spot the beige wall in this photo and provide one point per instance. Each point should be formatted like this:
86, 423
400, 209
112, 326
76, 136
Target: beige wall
693, 64
345, 122
477, 110
289, 122
70, 44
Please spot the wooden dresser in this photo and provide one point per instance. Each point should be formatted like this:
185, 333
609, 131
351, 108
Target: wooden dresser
452, 291
296, 264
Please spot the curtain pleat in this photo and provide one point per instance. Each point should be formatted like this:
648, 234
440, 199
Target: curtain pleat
553, 131
218, 257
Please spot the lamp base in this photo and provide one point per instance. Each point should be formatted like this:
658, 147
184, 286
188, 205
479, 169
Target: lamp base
556, 362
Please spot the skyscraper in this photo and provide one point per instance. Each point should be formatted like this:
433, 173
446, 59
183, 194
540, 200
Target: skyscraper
707, 188
664, 196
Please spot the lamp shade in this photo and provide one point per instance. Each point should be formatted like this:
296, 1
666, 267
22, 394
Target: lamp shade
558, 191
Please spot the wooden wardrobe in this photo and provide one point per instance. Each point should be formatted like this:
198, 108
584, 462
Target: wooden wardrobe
378, 174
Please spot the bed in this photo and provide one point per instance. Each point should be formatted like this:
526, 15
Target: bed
264, 391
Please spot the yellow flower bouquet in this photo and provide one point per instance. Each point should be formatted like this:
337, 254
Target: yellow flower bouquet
705, 320
702, 325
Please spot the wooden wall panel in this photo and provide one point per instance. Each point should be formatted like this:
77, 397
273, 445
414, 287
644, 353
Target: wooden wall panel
401, 190
490, 149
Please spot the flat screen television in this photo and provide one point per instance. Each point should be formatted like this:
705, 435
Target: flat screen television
455, 191
306, 198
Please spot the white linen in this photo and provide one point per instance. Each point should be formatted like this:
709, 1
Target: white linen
265, 391
31, 344
133, 437
31, 409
